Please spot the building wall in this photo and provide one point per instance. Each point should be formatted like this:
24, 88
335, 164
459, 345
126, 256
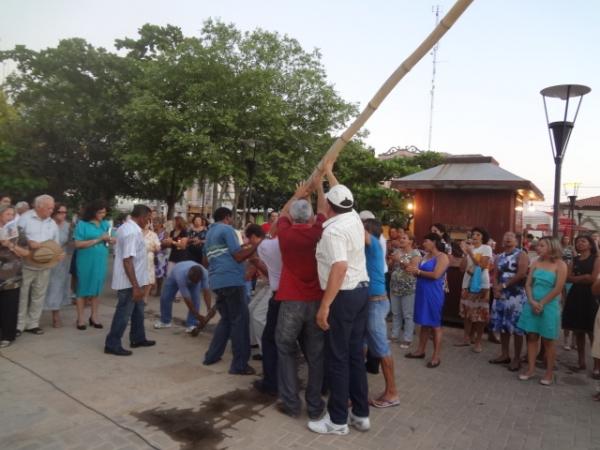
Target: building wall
493, 210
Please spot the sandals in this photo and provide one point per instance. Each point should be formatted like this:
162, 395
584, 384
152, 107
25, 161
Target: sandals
433, 365
382, 403
411, 355
462, 344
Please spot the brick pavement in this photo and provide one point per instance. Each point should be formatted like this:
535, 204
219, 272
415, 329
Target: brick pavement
167, 396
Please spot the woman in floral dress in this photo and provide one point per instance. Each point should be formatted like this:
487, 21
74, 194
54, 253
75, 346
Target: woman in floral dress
509, 298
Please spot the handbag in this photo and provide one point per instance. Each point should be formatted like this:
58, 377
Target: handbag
475, 282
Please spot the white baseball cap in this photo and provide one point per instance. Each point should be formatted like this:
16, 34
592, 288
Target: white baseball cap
340, 196
366, 214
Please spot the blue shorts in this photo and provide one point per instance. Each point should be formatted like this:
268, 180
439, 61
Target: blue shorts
377, 339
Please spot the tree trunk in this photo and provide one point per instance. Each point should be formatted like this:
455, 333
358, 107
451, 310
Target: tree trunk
237, 192
215, 193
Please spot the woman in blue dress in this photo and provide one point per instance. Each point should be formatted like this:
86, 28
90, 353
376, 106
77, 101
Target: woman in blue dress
92, 238
541, 314
429, 297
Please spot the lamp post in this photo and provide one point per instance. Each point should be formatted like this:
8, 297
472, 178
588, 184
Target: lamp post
571, 190
559, 132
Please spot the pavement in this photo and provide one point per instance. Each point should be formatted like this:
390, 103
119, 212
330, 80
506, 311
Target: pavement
60, 391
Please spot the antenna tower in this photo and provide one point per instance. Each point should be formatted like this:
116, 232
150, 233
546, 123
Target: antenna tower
436, 10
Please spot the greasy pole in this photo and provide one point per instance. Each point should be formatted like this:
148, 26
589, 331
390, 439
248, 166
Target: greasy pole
442, 27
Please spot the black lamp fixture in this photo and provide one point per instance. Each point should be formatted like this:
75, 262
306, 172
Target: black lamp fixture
560, 132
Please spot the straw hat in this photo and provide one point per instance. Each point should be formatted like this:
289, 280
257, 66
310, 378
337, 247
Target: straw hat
45, 257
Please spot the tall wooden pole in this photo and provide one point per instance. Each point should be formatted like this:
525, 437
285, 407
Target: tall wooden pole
441, 28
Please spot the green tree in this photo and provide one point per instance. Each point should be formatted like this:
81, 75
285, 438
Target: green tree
16, 174
68, 99
359, 169
280, 109
167, 123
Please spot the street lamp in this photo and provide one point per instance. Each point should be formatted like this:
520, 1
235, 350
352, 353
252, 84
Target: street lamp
559, 132
571, 190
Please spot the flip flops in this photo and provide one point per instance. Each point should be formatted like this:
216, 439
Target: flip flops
499, 361
433, 365
413, 356
382, 403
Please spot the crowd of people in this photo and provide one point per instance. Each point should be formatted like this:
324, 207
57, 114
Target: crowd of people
323, 284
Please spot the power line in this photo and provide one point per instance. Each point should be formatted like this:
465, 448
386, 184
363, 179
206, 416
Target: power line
436, 10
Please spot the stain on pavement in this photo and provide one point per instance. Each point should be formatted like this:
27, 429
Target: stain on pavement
207, 427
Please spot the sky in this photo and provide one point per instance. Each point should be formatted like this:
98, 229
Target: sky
491, 65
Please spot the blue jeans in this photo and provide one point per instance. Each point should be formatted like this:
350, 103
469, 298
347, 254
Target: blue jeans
377, 340
126, 309
403, 307
344, 356
234, 324
169, 291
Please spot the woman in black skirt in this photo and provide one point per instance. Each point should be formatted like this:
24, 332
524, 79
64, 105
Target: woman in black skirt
581, 307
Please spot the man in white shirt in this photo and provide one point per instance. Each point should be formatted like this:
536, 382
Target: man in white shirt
38, 227
266, 313
343, 277
130, 275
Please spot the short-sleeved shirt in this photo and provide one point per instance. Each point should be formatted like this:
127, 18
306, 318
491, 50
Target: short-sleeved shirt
343, 239
479, 252
130, 244
270, 254
401, 282
375, 268
37, 229
299, 276
221, 244
180, 274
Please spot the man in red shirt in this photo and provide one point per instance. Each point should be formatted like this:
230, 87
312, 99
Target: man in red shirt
273, 216
299, 295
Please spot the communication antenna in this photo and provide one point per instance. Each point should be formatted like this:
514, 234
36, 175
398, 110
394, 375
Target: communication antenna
436, 10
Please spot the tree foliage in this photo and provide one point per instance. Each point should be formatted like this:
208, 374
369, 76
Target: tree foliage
248, 108
16, 175
68, 98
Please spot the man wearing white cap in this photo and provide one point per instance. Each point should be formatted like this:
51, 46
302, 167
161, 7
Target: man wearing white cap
343, 312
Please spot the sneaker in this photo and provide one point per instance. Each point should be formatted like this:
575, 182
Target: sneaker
360, 423
187, 329
5, 344
405, 345
326, 426
158, 325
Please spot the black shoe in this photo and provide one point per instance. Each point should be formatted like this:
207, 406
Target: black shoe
287, 411
145, 343
18, 333
95, 325
247, 371
82, 327
36, 330
119, 352
260, 387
